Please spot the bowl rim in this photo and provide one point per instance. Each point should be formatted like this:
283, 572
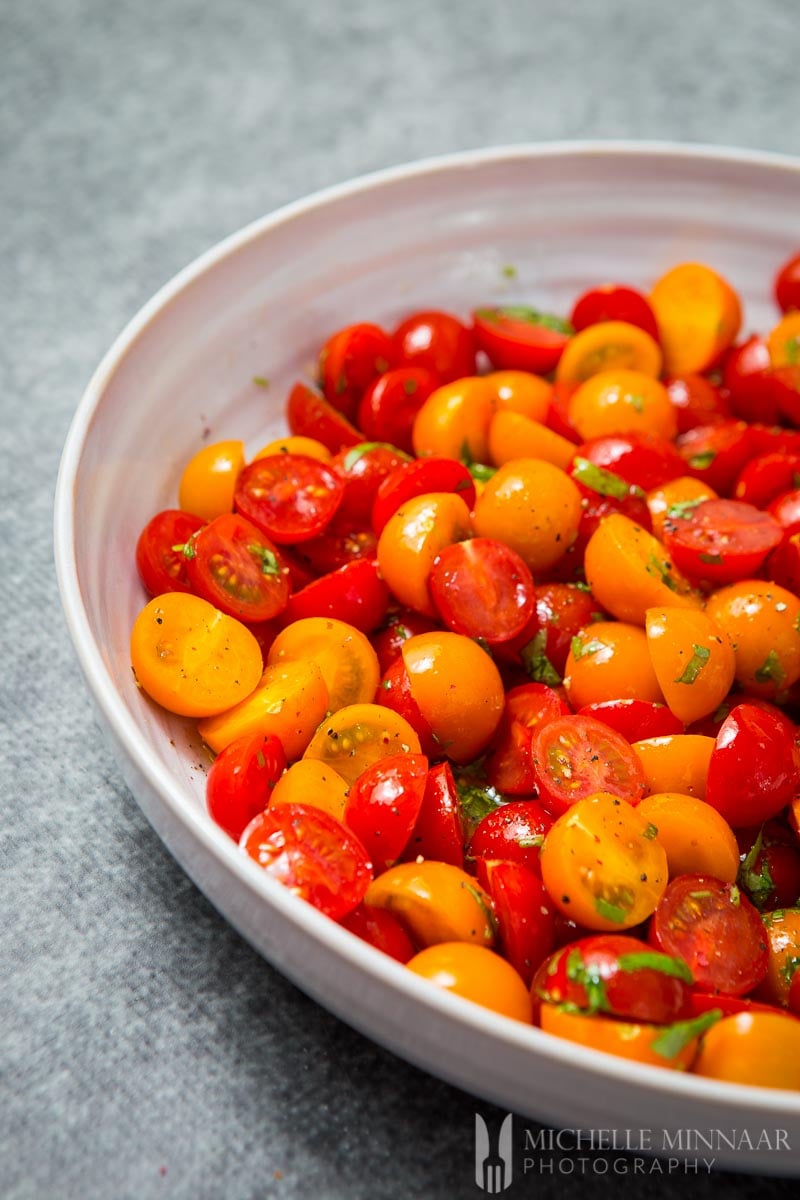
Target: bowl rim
729, 1098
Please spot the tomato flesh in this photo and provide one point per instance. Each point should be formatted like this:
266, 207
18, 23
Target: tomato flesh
290, 497
722, 541
160, 560
574, 757
482, 588
240, 781
234, 566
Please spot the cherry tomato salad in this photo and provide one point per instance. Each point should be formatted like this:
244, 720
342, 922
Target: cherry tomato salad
497, 653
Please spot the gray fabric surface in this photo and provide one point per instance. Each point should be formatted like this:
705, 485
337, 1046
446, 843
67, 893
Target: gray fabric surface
146, 1051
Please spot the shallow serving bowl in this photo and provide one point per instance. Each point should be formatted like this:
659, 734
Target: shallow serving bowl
442, 234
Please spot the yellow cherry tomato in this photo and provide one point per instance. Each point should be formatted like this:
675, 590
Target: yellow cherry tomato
520, 392
636, 1041
357, 736
603, 865
436, 902
693, 660
698, 316
619, 401
310, 781
674, 498
630, 571
191, 658
454, 420
783, 341
676, 763
289, 702
411, 540
610, 345
458, 690
513, 436
477, 974
308, 447
758, 1048
209, 480
533, 507
609, 661
783, 938
763, 622
348, 663
696, 838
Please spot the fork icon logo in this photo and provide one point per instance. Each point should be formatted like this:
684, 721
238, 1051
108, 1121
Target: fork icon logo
493, 1170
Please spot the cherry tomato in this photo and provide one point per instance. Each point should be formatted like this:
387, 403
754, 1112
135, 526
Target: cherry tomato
696, 839
413, 538
483, 589
622, 401
288, 497
612, 302
240, 781
630, 571
512, 435
390, 404
698, 315
160, 560
330, 551
638, 458
437, 341
310, 415
762, 620
420, 478
676, 763
562, 611
395, 692
355, 593
693, 660
575, 757
357, 736
519, 338
755, 769
696, 401
311, 853
235, 567
770, 865
783, 935
783, 342
290, 701
435, 902
767, 476
610, 346
402, 624
513, 832
747, 377
508, 764
476, 974
533, 507
715, 929
454, 421
786, 511
307, 446
783, 565
673, 1046
634, 719
787, 284
383, 931
310, 782
209, 480
716, 453
362, 469
341, 653
350, 361
438, 833
674, 499
721, 541
752, 1048
384, 803
524, 913
609, 661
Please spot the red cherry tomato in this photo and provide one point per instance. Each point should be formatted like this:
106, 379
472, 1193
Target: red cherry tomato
524, 913
509, 766
767, 476
311, 853
786, 511
384, 803
715, 930
562, 610
722, 541
636, 720
770, 871
390, 404
350, 361
787, 284
558, 412
746, 377
327, 553
772, 439
394, 691
482, 588
785, 382
574, 757
160, 560
438, 833
310, 415
290, 497
418, 478
703, 1002
754, 769
514, 832
614, 303
638, 458
518, 338
240, 781
388, 643
697, 401
381, 929
354, 593
362, 469
236, 568
715, 453
436, 341
783, 565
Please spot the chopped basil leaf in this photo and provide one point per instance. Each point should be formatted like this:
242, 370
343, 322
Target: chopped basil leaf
695, 664
490, 928
509, 271
655, 566
715, 559
536, 663
683, 508
410, 386
261, 381
481, 471
267, 558
771, 670
702, 460
590, 980
758, 884
792, 348
476, 800
604, 482
651, 831
654, 960
736, 896
531, 316
636, 402
610, 912
580, 648
528, 842
357, 452
789, 967
185, 548
674, 1038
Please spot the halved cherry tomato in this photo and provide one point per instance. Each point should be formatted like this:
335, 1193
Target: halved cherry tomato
512, 435
341, 652
783, 936
395, 692
412, 539
482, 588
630, 571
787, 284
622, 401
311, 853
762, 620
519, 338
609, 661
693, 660
674, 499
435, 902
508, 764
698, 315
696, 401
437, 341
290, 701
524, 913
350, 361
785, 383
512, 832
438, 833
309, 781
610, 346
390, 404
384, 803
755, 769
288, 497
359, 735
160, 560
235, 567
562, 611
634, 719
310, 415
672, 1046
420, 478
696, 838
383, 931
770, 866
676, 763
639, 458
767, 476
783, 565
209, 479
786, 511
575, 757
355, 593
533, 507
476, 974
454, 421
752, 1048
240, 781
721, 541
329, 552
401, 625
716, 453
783, 342
613, 302
362, 469
715, 929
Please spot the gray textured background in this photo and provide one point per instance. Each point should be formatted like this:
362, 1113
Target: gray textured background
146, 1051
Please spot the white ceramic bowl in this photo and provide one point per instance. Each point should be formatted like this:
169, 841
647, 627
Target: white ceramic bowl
435, 234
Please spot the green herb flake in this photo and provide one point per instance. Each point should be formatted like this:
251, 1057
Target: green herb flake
481, 471
684, 508
536, 663
655, 566
650, 831
267, 559
654, 960
262, 762
509, 271
758, 884
531, 316
410, 386
604, 482
796, 626
476, 801
185, 548
527, 843
736, 896
590, 980
610, 912
699, 462
580, 648
674, 1038
712, 559
771, 670
792, 348
261, 381
700, 895
699, 659
789, 968
636, 402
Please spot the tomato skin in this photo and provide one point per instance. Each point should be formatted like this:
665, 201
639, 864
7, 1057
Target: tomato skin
362, 469
614, 302
384, 804
289, 497
418, 478
786, 511
638, 458
787, 285
475, 973
508, 765
514, 832
209, 478
755, 767
240, 781
562, 611
783, 565
312, 853
237, 569
390, 404
746, 374
161, 567
436, 341
350, 361
716, 930
401, 625
558, 413
767, 476
634, 719
715, 454
771, 877
721, 541
438, 833
575, 757
520, 339
310, 415
394, 691
696, 401
785, 383
482, 588
702, 1002
757, 1048
355, 593
524, 913
381, 930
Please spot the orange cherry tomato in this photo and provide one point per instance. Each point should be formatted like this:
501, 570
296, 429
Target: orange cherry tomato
655, 1045
533, 507
783, 342
520, 392
752, 1047
306, 446
191, 658
676, 763
762, 620
411, 540
675, 498
357, 736
603, 865
454, 420
477, 974
209, 480
696, 838
435, 902
348, 663
512, 436
783, 938
289, 702
310, 781
619, 401
698, 316
630, 571
611, 345
458, 690
609, 661
693, 660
